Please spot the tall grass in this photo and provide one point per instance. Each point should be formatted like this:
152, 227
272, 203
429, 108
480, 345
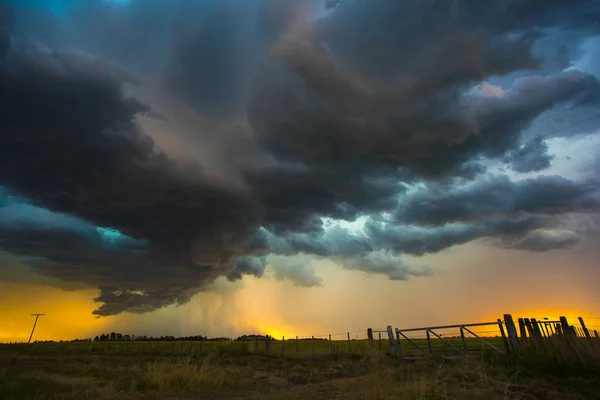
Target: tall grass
563, 355
183, 375
561, 369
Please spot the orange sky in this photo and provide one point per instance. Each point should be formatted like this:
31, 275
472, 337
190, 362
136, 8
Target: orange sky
474, 283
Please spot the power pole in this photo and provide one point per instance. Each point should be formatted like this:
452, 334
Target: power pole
34, 324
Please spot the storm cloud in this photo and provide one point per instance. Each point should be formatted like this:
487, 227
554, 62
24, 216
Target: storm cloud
147, 148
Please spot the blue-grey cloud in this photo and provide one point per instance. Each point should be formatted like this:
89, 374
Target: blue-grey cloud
531, 157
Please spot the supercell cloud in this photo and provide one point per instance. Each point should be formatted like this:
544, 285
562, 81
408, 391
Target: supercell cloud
149, 147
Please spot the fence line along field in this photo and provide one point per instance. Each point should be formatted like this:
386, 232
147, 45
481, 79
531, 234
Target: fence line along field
504, 359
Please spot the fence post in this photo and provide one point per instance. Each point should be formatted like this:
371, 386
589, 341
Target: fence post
267, 344
297, 346
529, 329
349, 343
330, 344
586, 332
370, 336
313, 346
428, 340
283, 345
511, 330
398, 345
522, 331
391, 338
464, 341
564, 325
536, 328
379, 342
537, 331
256, 344
504, 339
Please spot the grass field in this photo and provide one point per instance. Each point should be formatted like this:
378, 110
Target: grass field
292, 348
231, 371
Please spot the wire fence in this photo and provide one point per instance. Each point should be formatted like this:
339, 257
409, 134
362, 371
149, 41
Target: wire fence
450, 341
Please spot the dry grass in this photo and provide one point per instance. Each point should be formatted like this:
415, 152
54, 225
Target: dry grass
563, 371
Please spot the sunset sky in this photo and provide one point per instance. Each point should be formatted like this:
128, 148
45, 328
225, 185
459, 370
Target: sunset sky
179, 167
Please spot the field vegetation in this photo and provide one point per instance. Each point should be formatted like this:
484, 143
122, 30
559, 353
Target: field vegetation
229, 370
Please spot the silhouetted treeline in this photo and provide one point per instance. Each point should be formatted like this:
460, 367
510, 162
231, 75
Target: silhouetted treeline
255, 336
271, 338
119, 337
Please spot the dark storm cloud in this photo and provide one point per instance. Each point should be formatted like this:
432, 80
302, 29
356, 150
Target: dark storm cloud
69, 144
418, 240
248, 266
323, 193
495, 196
341, 118
434, 138
532, 157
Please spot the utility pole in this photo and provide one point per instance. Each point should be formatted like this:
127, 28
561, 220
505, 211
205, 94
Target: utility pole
34, 324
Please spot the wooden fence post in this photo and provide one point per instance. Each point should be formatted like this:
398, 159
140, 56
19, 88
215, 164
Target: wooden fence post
501, 327
283, 345
297, 345
531, 331
511, 329
379, 341
586, 332
536, 331
313, 346
522, 331
349, 343
370, 336
428, 340
566, 328
330, 344
256, 344
267, 344
529, 327
536, 328
391, 338
464, 341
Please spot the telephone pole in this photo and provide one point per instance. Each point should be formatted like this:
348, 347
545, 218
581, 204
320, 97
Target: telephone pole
34, 324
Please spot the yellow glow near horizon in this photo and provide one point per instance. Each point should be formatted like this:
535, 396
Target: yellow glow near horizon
68, 313
464, 291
